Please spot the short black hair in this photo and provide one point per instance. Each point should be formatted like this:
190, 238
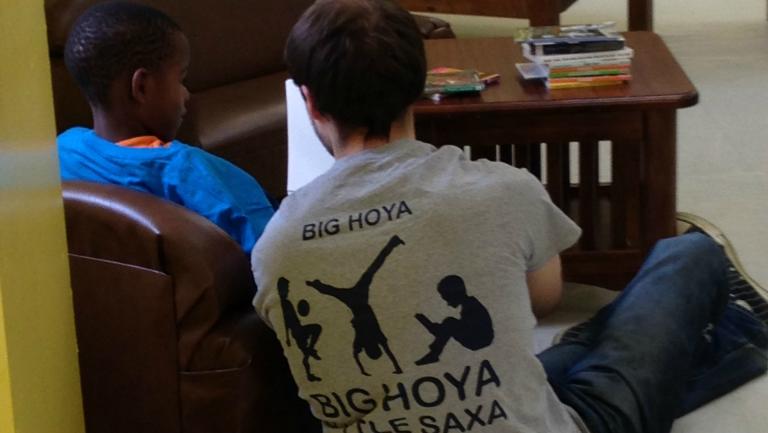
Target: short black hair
113, 38
452, 287
363, 61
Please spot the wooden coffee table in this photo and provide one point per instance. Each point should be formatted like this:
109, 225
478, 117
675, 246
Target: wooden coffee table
524, 124
538, 12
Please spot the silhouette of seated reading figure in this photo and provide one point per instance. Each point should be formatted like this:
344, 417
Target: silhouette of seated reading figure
368, 334
306, 336
473, 329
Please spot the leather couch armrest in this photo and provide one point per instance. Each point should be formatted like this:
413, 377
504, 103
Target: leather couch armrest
210, 274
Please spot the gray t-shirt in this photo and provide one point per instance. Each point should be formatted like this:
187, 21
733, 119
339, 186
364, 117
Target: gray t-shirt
396, 282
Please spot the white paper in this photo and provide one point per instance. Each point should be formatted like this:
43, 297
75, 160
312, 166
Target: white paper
307, 158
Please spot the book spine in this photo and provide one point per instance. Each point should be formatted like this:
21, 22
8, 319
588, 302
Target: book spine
576, 48
571, 39
602, 72
553, 86
588, 67
613, 56
587, 63
623, 77
583, 61
458, 88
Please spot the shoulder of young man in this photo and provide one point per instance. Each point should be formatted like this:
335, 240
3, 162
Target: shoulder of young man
509, 180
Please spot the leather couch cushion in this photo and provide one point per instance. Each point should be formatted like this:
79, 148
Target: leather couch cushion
257, 382
235, 111
126, 332
244, 123
243, 39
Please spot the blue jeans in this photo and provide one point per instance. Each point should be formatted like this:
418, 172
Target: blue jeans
668, 344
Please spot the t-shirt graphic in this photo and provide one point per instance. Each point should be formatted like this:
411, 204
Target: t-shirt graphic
368, 334
414, 260
473, 329
305, 335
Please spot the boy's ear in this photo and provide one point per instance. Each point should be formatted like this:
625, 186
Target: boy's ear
139, 84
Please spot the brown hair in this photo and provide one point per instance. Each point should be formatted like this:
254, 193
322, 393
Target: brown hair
362, 60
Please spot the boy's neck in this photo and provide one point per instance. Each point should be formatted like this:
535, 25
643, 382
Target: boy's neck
116, 126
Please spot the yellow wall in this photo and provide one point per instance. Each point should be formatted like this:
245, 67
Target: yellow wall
39, 379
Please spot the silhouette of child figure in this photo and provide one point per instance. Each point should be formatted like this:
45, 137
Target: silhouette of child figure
306, 336
368, 333
473, 329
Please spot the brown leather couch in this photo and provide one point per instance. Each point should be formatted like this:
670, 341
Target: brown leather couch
236, 77
168, 340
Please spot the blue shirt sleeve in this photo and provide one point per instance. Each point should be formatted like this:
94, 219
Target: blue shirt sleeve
220, 191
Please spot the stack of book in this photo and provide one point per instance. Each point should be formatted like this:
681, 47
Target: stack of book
444, 81
576, 56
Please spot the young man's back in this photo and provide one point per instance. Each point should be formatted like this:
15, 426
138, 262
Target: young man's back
423, 272
398, 220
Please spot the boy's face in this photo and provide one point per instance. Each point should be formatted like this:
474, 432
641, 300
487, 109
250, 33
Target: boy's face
166, 95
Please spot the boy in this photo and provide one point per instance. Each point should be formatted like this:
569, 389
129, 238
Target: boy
130, 61
487, 235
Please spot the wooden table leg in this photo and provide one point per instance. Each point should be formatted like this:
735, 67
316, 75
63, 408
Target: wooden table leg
543, 12
659, 201
640, 15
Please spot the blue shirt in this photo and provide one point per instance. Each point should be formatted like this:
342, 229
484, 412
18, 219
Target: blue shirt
183, 174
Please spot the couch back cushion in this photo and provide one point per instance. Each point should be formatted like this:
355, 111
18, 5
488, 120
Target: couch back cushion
231, 40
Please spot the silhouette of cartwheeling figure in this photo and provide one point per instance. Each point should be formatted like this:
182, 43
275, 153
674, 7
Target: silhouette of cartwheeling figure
368, 334
305, 335
473, 329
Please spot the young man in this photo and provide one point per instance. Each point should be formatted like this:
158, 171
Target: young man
488, 237
130, 61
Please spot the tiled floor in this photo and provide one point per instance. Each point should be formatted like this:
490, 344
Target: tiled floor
723, 164
723, 141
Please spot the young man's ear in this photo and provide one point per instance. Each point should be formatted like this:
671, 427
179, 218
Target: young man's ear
139, 84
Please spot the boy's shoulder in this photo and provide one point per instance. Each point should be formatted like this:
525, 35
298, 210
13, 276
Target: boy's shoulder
196, 156
74, 135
